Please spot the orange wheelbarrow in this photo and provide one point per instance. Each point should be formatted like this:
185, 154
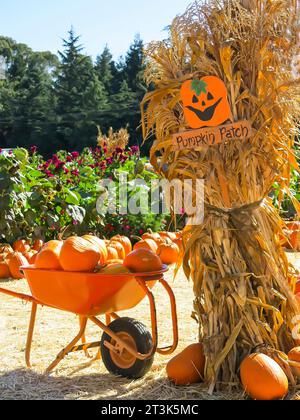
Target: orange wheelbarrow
127, 347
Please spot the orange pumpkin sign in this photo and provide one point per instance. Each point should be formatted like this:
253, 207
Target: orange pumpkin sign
205, 102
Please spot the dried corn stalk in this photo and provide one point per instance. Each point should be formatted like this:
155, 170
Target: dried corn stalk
113, 140
240, 272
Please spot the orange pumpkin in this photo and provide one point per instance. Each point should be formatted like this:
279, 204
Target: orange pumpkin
112, 253
125, 242
205, 102
79, 255
21, 246
169, 253
150, 235
143, 261
113, 269
37, 245
119, 248
146, 244
187, 367
48, 257
263, 378
294, 356
16, 261
100, 244
4, 270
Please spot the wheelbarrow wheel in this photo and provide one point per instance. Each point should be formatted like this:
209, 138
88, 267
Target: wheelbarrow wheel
139, 338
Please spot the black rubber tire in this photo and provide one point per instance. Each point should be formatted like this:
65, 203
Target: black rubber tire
144, 344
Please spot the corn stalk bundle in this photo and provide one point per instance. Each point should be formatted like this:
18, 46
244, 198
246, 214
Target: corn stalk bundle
242, 280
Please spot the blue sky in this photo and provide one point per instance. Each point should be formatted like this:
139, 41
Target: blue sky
42, 24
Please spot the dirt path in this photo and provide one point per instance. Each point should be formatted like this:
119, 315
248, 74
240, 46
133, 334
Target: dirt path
76, 378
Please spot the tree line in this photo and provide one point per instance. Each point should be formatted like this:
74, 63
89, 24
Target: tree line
57, 101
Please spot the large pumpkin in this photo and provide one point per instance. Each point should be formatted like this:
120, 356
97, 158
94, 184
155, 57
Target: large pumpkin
205, 102
100, 244
187, 367
125, 242
263, 378
16, 261
169, 253
143, 261
4, 270
79, 255
48, 257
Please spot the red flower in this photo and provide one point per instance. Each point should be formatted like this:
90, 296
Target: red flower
75, 155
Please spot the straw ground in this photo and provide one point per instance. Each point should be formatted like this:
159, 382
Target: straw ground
75, 378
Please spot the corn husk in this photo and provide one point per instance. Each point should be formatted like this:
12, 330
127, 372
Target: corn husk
242, 280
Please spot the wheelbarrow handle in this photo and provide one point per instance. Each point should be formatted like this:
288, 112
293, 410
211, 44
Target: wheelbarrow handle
22, 296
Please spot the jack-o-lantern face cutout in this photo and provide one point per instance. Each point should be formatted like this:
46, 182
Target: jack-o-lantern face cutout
205, 102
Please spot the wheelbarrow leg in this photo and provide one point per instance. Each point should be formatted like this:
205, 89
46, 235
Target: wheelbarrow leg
69, 347
30, 334
86, 352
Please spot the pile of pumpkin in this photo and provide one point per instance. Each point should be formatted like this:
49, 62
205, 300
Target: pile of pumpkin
261, 376
92, 254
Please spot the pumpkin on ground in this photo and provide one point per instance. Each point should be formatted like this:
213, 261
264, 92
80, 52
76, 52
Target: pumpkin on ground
79, 255
169, 253
294, 356
100, 244
48, 257
112, 253
21, 246
263, 378
4, 270
146, 244
119, 248
37, 245
125, 242
143, 261
187, 367
16, 261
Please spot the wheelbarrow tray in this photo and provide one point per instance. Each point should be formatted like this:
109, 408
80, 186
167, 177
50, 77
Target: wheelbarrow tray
88, 294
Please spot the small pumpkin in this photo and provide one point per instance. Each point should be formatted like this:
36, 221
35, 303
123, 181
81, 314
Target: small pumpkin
112, 253
4, 270
205, 102
119, 248
21, 246
146, 244
169, 253
48, 257
79, 255
16, 261
151, 235
143, 261
263, 379
294, 356
100, 244
188, 367
125, 242
37, 245
114, 269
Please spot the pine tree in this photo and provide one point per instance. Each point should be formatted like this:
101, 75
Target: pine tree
104, 67
80, 96
133, 69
